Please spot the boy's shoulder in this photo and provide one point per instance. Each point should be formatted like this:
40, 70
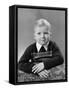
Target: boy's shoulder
31, 46
52, 42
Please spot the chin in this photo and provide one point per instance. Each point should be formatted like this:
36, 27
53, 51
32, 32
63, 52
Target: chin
43, 43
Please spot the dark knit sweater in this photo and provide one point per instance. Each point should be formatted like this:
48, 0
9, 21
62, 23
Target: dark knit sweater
26, 62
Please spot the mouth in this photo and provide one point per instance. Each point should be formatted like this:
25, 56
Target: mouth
42, 39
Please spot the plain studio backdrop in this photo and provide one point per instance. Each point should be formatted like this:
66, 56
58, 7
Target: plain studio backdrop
26, 20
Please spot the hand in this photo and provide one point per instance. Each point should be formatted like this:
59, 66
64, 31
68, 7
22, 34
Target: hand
38, 67
44, 74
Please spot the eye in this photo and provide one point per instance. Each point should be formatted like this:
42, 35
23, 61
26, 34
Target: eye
38, 33
46, 33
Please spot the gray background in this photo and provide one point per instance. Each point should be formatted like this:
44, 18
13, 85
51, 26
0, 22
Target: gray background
26, 19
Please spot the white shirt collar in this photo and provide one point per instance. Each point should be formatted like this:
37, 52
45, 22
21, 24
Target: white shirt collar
38, 46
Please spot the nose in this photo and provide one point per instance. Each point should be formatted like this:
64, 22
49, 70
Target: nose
42, 35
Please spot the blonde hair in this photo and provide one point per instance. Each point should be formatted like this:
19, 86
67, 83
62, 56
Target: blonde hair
43, 22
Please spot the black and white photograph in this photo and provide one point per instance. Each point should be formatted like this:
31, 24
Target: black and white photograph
40, 43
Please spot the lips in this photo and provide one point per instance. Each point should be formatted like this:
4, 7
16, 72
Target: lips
42, 39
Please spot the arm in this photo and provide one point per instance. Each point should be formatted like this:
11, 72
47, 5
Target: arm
24, 64
56, 59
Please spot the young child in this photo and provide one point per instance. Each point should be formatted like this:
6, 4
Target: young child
42, 55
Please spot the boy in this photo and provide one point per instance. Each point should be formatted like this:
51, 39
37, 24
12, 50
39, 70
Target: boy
42, 55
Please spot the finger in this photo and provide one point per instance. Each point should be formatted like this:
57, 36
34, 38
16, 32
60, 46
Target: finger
40, 75
36, 70
47, 72
44, 75
37, 65
34, 66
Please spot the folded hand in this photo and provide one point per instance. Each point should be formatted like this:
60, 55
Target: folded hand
44, 74
38, 67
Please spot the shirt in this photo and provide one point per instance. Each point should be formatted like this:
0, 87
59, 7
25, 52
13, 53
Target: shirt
38, 46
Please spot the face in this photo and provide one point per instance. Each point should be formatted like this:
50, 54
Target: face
42, 35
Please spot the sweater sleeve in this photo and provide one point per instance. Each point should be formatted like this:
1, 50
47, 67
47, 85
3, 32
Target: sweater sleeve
55, 60
24, 64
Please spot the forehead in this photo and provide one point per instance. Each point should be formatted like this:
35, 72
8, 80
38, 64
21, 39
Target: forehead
41, 29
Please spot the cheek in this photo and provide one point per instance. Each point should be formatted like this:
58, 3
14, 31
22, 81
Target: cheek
37, 37
47, 36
